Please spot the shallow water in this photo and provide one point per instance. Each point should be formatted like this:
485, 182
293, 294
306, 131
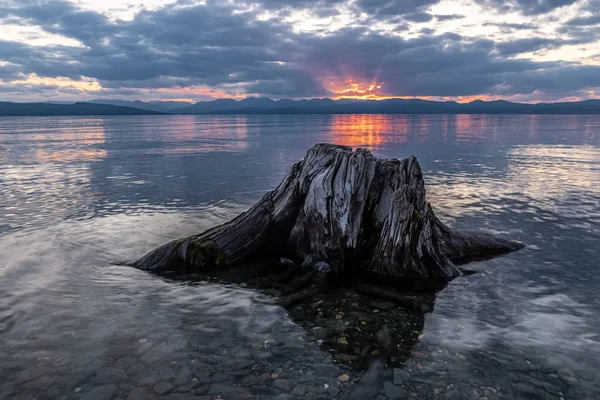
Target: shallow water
77, 194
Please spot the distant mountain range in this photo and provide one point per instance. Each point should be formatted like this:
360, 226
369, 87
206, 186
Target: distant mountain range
392, 106
256, 105
50, 109
158, 106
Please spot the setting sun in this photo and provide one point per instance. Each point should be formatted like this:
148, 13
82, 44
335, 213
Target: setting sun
354, 89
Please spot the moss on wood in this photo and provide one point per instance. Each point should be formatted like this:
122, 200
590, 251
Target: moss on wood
202, 254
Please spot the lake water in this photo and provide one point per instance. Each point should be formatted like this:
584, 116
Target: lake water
77, 194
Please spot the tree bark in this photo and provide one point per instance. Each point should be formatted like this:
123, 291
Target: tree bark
337, 211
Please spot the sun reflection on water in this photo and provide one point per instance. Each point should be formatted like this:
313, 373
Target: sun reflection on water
376, 130
63, 218
370, 131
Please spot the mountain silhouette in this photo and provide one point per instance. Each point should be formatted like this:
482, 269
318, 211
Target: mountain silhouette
49, 109
263, 105
391, 106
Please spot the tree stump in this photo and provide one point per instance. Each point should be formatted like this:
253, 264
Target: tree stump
337, 211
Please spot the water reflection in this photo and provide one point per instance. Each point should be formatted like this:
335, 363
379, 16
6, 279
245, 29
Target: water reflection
37, 195
566, 168
539, 172
193, 135
363, 130
379, 131
61, 140
79, 193
354, 327
375, 131
471, 128
70, 144
104, 320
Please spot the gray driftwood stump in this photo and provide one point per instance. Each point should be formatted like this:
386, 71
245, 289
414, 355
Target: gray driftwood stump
337, 211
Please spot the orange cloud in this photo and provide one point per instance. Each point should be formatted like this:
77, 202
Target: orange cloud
374, 90
84, 84
190, 93
355, 89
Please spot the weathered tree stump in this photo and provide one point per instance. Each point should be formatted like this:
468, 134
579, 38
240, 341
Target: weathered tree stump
337, 211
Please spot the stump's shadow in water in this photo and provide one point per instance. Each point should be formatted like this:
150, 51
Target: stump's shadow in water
357, 320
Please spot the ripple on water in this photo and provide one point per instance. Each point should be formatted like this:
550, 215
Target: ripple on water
79, 193
84, 321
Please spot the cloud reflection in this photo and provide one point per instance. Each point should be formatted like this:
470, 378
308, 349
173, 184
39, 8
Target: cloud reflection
541, 172
58, 140
71, 143
198, 134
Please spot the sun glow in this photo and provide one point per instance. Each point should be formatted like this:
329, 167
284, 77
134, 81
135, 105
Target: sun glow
354, 89
360, 90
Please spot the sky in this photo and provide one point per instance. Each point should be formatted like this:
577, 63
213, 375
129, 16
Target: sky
190, 50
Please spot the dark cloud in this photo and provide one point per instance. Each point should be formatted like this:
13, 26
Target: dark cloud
374, 9
10, 72
526, 7
418, 17
190, 45
60, 17
14, 50
323, 8
557, 80
426, 31
585, 21
167, 42
580, 34
507, 26
446, 65
586, 27
530, 45
295, 86
448, 17
384, 9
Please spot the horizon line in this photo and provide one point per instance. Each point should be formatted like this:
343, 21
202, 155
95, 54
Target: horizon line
192, 102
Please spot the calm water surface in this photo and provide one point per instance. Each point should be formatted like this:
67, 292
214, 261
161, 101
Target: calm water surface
79, 193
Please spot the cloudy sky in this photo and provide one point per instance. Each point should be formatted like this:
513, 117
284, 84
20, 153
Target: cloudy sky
522, 50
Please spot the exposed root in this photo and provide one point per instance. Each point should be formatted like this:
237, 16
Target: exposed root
317, 284
299, 283
421, 304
